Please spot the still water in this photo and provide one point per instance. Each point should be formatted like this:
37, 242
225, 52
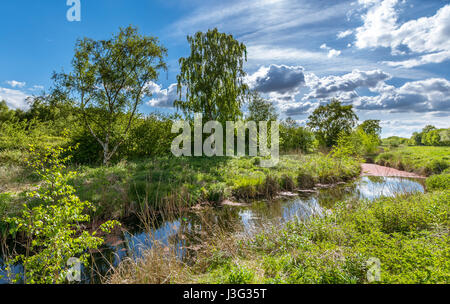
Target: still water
185, 233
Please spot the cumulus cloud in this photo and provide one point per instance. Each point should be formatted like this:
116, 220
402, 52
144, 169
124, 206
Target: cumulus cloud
280, 79
162, 97
14, 83
331, 86
344, 34
333, 53
297, 109
15, 99
428, 37
429, 95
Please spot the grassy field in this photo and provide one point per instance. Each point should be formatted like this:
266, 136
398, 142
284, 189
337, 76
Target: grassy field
418, 159
120, 189
407, 235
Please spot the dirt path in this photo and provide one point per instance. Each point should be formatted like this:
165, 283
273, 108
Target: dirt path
376, 170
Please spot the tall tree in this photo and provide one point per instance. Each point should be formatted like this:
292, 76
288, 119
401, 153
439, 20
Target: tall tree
331, 120
212, 77
428, 128
110, 80
260, 109
371, 126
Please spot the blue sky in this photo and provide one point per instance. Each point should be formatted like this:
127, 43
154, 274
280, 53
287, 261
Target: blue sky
389, 58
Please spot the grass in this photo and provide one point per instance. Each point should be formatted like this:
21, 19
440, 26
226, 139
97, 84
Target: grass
407, 234
187, 181
438, 182
419, 159
117, 190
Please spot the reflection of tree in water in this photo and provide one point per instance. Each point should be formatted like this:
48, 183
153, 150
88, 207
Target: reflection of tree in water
376, 179
186, 232
330, 196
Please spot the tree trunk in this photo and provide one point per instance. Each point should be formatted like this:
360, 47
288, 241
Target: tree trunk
106, 154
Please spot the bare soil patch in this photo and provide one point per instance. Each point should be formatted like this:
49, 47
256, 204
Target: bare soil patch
376, 170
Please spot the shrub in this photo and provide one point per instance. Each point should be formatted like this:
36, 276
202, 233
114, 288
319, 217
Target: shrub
438, 182
50, 223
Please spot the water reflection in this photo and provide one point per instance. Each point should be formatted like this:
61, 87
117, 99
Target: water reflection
279, 210
186, 232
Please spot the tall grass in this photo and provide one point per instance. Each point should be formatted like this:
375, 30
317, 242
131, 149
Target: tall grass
421, 160
409, 234
188, 181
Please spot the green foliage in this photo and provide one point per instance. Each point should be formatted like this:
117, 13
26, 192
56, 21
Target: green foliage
116, 190
328, 169
150, 136
357, 143
260, 109
213, 77
293, 137
430, 136
407, 233
239, 275
371, 126
51, 222
394, 141
422, 160
110, 78
328, 121
438, 182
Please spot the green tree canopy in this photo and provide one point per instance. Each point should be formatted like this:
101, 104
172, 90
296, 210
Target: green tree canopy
329, 121
260, 109
109, 80
212, 77
428, 128
371, 126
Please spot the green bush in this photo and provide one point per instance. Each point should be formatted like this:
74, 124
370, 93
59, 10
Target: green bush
407, 235
438, 182
51, 223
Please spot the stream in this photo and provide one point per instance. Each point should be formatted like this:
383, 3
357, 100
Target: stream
184, 234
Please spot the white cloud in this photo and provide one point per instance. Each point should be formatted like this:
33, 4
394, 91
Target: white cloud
429, 95
14, 83
37, 88
162, 97
15, 99
273, 53
379, 22
428, 37
429, 58
344, 34
330, 86
333, 53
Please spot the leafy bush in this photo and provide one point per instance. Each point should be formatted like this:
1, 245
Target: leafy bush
151, 136
438, 182
51, 222
293, 137
357, 143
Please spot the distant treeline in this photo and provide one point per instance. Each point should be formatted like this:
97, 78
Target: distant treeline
429, 136
57, 122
